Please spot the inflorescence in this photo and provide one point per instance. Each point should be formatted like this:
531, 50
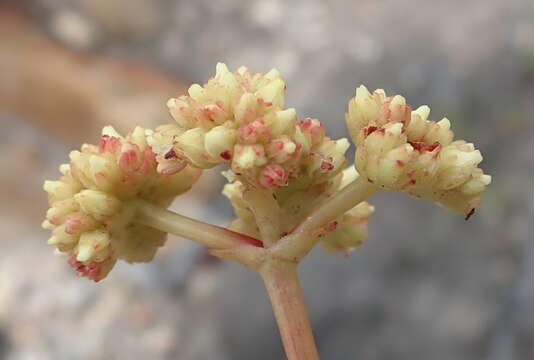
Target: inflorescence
280, 167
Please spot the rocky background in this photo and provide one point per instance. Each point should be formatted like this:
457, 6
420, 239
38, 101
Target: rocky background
427, 284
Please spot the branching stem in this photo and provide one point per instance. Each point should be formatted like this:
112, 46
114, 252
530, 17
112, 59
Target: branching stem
303, 238
206, 234
277, 265
344, 200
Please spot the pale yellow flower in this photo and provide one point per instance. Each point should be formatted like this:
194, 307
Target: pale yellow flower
399, 149
91, 213
238, 118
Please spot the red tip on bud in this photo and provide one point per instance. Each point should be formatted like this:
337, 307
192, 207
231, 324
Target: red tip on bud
92, 270
226, 155
312, 127
369, 130
109, 144
273, 176
129, 160
253, 132
421, 146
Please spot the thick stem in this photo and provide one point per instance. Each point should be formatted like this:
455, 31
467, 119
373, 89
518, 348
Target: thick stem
209, 235
282, 284
304, 237
266, 213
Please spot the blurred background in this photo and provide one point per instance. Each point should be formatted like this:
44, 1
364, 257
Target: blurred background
426, 285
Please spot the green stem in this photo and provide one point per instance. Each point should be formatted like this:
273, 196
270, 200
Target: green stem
206, 234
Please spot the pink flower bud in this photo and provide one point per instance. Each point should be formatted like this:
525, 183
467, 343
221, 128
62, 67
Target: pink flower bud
313, 129
273, 176
254, 132
282, 149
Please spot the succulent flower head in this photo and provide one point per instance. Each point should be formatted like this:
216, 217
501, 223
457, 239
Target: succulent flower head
238, 118
231, 119
399, 149
91, 211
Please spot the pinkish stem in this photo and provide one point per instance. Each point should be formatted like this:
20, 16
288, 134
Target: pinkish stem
282, 284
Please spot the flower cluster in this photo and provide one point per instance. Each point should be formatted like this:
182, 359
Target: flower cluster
238, 118
91, 211
281, 170
399, 149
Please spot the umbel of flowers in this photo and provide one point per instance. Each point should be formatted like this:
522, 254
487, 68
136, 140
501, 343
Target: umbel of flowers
401, 150
238, 118
91, 208
282, 170
287, 183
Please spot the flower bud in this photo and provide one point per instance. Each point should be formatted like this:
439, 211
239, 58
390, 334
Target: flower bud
60, 209
312, 132
163, 144
191, 144
96, 203
246, 109
247, 157
90, 243
282, 149
327, 159
254, 132
282, 122
273, 176
219, 142
272, 93
61, 190
181, 112
349, 231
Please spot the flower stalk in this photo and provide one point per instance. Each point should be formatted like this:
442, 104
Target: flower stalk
348, 197
282, 284
265, 210
205, 234
300, 242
